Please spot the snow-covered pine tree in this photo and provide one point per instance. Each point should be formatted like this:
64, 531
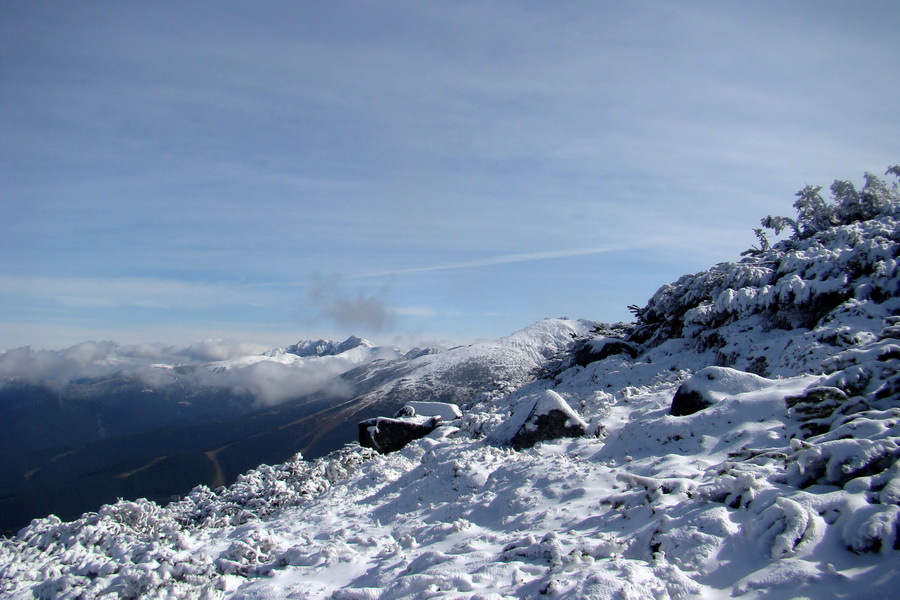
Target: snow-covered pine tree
848, 205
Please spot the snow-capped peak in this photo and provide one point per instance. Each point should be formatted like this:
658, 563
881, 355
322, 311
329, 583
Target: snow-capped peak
309, 348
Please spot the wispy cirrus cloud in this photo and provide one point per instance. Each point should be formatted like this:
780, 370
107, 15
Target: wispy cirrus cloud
143, 292
503, 259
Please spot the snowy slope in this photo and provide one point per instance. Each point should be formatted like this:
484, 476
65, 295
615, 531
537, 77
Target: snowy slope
463, 375
786, 485
459, 374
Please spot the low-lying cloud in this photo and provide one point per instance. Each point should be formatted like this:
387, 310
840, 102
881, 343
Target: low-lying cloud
268, 381
88, 359
272, 383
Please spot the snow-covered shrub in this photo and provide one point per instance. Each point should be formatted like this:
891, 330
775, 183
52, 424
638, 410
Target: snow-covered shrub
837, 254
138, 549
128, 549
265, 489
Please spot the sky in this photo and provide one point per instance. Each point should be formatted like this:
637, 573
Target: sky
411, 172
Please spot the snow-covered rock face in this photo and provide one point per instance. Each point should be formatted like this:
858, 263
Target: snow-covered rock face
787, 485
599, 348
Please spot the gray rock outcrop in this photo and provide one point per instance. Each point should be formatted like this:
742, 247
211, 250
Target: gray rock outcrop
389, 435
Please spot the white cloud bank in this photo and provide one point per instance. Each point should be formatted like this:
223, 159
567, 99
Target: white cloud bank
103, 359
214, 363
272, 383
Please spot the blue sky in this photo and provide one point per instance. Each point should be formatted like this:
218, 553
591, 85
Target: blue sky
407, 170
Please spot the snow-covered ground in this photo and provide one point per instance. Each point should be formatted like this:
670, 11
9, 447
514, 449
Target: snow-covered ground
785, 485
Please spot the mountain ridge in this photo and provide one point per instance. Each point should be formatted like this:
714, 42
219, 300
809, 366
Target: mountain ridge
307, 348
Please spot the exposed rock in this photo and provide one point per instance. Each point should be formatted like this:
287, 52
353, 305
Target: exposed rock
389, 435
600, 348
543, 416
817, 404
687, 402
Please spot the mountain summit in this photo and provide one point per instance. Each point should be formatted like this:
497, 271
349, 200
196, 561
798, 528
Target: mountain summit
308, 348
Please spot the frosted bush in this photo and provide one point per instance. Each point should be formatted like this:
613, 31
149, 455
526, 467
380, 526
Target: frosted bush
796, 283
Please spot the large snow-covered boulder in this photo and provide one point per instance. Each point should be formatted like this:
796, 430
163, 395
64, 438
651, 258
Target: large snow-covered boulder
710, 385
445, 410
389, 435
540, 417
